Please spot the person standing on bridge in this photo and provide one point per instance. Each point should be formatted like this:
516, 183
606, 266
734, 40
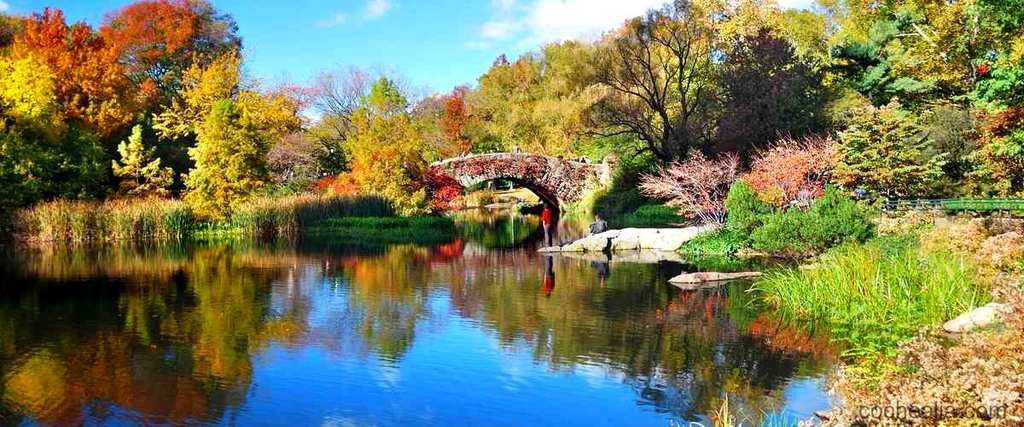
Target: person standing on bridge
545, 220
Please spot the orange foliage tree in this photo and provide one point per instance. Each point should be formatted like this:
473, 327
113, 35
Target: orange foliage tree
453, 123
91, 85
158, 40
792, 170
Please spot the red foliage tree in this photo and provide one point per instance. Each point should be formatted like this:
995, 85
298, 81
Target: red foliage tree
696, 186
444, 190
91, 85
793, 171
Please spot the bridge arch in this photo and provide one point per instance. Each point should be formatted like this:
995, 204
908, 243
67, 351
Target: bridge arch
556, 181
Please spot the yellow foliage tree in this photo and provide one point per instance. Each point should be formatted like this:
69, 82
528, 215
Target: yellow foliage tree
235, 125
387, 150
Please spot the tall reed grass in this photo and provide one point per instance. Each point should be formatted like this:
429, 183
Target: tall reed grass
874, 296
64, 221
286, 216
120, 220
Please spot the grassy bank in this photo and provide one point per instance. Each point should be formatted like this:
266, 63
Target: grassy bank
874, 296
159, 219
423, 230
647, 216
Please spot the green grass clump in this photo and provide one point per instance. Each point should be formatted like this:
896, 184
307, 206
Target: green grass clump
421, 229
874, 296
724, 242
650, 215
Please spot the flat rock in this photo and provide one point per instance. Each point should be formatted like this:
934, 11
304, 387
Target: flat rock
704, 277
980, 317
631, 239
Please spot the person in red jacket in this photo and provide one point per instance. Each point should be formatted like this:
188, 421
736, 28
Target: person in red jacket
545, 220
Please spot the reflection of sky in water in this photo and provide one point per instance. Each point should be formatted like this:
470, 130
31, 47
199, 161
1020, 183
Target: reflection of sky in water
460, 372
399, 336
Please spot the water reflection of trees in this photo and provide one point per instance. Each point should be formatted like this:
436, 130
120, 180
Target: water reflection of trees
498, 229
167, 344
174, 335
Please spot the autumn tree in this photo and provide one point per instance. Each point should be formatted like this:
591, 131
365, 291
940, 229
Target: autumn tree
336, 95
41, 156
10, 26
235, 126
697, 185
537, 104
292, 162
158, 40
91, 85
768, 92
659, 74
885, 152
453, 123
386, 149
139, 170
792, 171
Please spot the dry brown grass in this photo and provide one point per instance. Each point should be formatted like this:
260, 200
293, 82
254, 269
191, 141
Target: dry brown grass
984, 370
1002, 252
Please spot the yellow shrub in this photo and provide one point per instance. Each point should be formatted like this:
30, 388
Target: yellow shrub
960, 237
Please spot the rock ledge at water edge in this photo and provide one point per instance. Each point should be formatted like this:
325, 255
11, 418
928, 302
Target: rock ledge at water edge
631, 239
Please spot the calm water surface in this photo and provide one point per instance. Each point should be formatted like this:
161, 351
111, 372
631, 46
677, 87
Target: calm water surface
481, 331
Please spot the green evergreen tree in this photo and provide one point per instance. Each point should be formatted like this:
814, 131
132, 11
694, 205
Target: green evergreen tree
139, 171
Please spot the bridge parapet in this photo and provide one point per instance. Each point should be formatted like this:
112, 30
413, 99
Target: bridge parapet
555, 180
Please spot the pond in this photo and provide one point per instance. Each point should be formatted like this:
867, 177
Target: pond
479, 331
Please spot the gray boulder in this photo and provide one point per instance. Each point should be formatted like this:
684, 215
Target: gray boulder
980, 317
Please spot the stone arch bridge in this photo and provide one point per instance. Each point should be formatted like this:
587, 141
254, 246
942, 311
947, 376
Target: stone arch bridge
557, 181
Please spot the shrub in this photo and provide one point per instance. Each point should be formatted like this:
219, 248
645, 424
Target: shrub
1002, 252
720, 243
832, 220
792, 171
696, 186
746, 210
444, 191
961, 237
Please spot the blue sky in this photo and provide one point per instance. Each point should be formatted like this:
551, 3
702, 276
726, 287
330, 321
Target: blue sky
436, 44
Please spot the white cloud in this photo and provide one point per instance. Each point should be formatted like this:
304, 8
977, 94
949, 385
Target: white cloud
377, 8
4, 7
553, 20
498, 29
333, 21
541, 21
503, 6
534, 22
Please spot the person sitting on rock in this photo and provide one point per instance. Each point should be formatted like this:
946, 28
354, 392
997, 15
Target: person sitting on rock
599, 226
